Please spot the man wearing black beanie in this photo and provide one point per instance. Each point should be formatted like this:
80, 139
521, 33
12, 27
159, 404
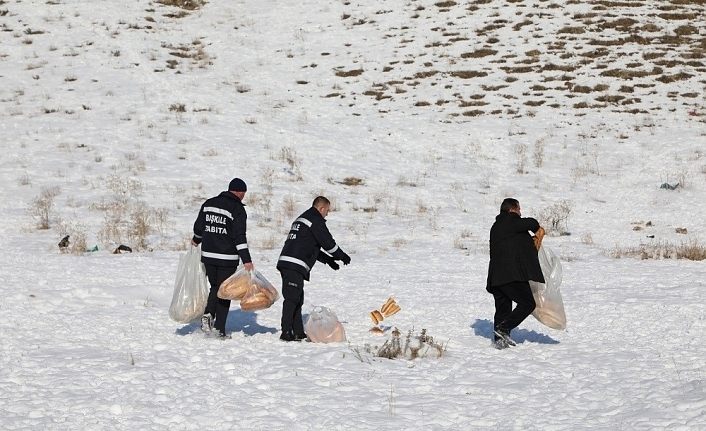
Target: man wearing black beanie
220, 229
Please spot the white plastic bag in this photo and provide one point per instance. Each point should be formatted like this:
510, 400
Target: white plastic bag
550, 306
190, 288
322, 326
236, 286
260, 294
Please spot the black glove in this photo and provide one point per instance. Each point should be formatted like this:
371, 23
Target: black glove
332, 263
345, 259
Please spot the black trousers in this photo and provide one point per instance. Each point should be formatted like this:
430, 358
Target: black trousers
293, 293
216, 306
520, 292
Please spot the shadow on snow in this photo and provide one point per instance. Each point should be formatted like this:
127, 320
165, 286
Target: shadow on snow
238, 321
484, 328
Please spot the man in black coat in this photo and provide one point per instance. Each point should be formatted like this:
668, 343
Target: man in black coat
513, 262
220, 229
308, 240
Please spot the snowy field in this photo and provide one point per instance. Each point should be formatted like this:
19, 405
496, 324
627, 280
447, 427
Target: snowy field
416, 118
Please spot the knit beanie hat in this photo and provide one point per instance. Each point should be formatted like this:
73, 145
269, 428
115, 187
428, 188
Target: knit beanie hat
237, 185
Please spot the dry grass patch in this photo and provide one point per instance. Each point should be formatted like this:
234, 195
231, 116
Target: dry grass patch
631, 74
608, 4
479, 53
621, 24
426, 74
348, 73
610, 98
352, 181
572, 30
678, 16
184, 4
468, 74
518, 69
473, 113
673, 78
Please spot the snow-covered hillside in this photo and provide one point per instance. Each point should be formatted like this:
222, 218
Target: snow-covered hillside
416, 118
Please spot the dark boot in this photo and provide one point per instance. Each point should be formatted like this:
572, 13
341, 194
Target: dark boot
287, 336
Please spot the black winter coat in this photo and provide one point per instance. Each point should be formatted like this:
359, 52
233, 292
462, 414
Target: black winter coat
513, 256
307, 237
220, 229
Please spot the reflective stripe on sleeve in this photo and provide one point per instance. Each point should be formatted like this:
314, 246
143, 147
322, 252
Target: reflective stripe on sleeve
241, 247
333, 250
197, 236
295, 260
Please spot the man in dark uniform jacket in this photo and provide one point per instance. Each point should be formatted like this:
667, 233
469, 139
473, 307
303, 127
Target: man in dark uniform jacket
513, 262
220, 229
308, 240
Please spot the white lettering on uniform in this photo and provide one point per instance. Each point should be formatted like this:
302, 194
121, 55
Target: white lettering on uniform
216, 229
215, 219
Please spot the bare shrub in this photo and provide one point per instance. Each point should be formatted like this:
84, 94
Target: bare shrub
184, 4
353, 181
261, 203
538, 153
242, 88
289, 206
399, 242
160, 219
554, 219
289, 156
124, 188
111, 231
268, 177
403, 181
139, 227
416, 346
43, 206
348, 73
521, 155
662, 250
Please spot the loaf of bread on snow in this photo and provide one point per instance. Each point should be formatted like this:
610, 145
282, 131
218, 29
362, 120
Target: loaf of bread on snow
392, 309
376, 317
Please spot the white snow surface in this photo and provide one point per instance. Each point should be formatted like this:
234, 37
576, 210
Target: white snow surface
89, 117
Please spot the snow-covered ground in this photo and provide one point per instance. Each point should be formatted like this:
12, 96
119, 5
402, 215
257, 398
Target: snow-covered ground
118, 119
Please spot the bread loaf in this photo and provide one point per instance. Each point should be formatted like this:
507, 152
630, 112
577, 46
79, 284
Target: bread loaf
386, 306
235, 287
258, 301
377, 330
538, 236
376, 317
392, 309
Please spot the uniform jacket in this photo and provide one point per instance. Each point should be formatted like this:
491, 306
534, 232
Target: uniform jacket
220, 229
307, 237
513, 256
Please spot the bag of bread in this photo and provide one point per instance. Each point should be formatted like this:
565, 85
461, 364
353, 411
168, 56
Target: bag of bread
261, 293
550, 305
190, 288
322, 326
236, 286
